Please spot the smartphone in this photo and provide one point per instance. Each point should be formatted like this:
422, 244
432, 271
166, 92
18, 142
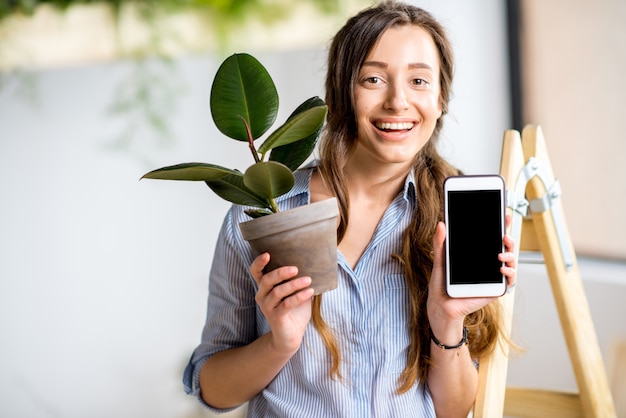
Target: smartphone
474, 218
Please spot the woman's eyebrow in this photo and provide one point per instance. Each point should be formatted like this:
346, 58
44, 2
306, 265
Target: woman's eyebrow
380, 64
421, 65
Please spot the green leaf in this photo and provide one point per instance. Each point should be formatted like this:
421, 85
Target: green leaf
243, 90
295, 153
306, 105
298, 127
190, 172
231, 188
269, 179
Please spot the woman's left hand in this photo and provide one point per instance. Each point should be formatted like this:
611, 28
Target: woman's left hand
444, 311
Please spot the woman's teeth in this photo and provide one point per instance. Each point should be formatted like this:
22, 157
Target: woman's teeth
394, 126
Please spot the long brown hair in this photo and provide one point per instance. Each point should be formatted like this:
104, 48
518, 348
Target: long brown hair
347, 53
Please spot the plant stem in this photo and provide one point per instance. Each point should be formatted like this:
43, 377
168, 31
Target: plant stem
274, 206
255, 154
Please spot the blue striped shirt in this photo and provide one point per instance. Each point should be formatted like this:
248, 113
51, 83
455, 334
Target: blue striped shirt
368, 312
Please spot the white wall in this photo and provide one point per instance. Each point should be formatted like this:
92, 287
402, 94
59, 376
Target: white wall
103, 278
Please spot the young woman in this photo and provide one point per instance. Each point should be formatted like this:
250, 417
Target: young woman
366, 348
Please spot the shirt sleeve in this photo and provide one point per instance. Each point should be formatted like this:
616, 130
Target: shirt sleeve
231, 308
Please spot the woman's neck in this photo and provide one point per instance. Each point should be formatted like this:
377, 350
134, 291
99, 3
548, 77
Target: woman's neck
366, 182
378, 183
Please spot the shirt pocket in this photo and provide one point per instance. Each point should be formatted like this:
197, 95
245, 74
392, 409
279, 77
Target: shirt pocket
396, 324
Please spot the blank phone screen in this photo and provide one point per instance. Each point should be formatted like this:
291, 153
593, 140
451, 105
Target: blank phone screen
475, 236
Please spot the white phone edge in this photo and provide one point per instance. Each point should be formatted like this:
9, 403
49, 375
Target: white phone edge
473, 182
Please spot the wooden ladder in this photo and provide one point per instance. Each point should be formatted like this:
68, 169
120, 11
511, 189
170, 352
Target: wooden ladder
533, 199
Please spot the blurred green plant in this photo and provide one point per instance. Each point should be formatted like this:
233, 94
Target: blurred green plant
145, 100
223, 9
150, 93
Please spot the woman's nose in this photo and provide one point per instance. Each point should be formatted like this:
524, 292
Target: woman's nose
396, 98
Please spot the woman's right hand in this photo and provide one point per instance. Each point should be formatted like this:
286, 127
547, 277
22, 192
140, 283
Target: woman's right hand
285, 300
236, 375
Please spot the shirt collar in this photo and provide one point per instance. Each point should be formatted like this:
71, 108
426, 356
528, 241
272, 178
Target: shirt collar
409, 185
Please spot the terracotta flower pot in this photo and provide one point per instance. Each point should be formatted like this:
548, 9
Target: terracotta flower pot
305, 237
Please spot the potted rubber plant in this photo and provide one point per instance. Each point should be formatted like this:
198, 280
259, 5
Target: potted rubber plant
244, 106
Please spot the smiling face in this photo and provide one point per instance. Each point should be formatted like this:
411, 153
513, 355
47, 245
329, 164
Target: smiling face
397, 96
